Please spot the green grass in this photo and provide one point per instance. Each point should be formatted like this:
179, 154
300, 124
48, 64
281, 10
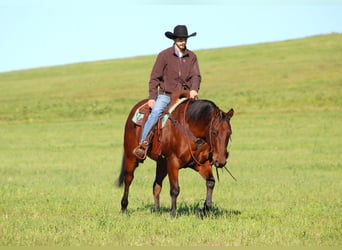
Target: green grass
61, 131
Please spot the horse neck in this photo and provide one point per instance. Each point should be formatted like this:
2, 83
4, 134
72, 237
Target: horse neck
202, 129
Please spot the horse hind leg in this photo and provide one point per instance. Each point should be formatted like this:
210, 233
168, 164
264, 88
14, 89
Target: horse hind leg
161, 173
126, 177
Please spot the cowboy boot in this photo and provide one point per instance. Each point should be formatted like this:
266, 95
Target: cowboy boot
141, 151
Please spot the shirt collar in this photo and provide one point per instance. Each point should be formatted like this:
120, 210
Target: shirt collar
178, 54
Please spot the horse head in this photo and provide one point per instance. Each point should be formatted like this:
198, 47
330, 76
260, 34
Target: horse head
219, 134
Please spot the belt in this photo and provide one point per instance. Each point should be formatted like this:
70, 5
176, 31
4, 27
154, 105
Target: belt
163, 92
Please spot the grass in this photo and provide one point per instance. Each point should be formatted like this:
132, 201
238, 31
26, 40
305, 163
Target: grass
61, 132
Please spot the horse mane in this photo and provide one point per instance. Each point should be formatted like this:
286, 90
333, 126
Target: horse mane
201, 110
198, 110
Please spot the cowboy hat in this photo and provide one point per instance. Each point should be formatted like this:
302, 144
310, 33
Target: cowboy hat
180, 31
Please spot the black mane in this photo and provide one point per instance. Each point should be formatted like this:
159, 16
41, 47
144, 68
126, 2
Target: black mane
200, 110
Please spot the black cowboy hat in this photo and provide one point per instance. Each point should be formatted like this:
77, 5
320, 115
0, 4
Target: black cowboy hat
180, 31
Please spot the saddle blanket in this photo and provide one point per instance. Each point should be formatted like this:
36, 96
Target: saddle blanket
139, 115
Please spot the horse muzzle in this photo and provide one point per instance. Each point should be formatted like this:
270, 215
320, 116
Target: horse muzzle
219, 164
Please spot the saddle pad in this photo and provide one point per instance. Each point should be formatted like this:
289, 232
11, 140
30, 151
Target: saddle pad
139, 114
171, 109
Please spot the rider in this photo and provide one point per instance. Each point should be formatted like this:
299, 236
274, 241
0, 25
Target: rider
176, 68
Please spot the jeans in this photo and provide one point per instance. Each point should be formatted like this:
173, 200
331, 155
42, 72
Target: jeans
161, 103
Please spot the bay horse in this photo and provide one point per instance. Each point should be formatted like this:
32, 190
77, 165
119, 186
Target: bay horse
195, 135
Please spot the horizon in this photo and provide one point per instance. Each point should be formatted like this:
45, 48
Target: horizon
147, 55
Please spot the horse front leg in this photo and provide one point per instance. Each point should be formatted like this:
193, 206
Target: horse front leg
206, 172
172, 171
209, 199
161, 172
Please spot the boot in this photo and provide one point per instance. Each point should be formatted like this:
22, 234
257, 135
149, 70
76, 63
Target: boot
141, 151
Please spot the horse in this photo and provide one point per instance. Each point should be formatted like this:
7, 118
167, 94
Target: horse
196, 135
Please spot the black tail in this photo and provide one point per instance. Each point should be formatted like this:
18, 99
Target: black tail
122, 172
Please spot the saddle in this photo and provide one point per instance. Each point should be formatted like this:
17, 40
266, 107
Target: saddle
141, 115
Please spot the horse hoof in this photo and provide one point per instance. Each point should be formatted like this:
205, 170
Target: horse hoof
155, 210
173, 214
201, 213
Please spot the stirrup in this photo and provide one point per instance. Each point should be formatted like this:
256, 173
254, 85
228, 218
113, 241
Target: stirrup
141, 151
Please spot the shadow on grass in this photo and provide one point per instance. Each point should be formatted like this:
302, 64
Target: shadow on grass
185, 209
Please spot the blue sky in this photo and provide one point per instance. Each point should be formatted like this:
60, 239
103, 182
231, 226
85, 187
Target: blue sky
39, 33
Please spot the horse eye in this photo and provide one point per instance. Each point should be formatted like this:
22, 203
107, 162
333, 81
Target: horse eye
214, 133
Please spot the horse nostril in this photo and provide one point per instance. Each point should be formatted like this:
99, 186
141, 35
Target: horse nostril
219, 165
227, 154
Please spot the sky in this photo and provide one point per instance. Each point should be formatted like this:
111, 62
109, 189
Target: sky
41, 33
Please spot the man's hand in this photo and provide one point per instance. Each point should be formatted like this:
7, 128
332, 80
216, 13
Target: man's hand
193, 94
151, 103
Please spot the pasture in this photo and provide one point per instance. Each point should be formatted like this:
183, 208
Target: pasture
61, 131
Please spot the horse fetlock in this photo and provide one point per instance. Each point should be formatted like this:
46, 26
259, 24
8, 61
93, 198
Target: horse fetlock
207, 205
124, 204
156, 209
173, 213
211, 183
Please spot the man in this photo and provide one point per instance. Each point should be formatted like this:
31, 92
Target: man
176, 68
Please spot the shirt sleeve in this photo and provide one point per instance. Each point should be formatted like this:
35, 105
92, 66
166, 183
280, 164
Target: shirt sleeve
196, 75
156, 76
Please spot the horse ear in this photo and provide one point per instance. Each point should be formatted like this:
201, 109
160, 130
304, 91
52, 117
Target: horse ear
230, 113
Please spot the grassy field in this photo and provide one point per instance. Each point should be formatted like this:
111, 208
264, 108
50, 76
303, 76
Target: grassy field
61, 131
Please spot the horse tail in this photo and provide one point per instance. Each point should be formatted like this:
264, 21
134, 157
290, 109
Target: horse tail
122, 172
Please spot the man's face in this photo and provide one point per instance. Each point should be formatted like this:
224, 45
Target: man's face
181, 43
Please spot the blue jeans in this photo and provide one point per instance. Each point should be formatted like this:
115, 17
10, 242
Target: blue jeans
161, 103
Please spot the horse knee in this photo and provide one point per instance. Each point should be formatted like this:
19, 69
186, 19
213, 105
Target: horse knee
210, 183
174, 192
